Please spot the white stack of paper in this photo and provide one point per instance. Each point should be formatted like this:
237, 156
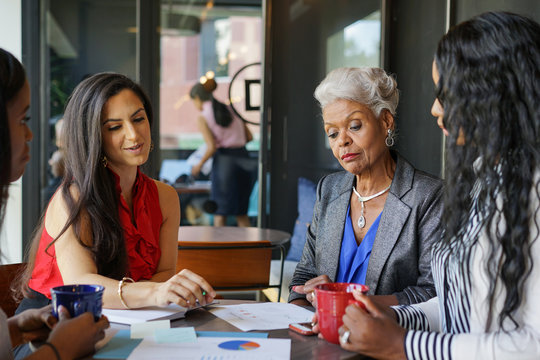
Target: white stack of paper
134, 316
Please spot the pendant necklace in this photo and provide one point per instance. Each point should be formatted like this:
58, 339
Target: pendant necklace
362, 220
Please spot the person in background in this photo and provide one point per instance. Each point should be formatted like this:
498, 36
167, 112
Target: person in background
109, 224
56, 163
486, 267
225, 136
35, 324
375, 222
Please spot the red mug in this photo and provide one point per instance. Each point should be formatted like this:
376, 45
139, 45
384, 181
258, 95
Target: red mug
332, 299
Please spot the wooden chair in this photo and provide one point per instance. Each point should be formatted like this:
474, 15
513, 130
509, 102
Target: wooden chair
7, 274
228, 266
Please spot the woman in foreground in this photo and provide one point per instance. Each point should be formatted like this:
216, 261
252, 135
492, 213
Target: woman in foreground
35, 324
109, 224
375, 222
486, 269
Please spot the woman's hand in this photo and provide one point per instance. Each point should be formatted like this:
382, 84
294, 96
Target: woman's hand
196, 170
31, 325
76, 337
309, 288
185, 289
373, 332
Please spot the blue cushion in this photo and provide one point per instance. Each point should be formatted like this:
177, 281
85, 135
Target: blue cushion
307, 194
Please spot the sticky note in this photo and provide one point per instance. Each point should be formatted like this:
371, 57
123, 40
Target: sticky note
176, 335
119, 347
140, 330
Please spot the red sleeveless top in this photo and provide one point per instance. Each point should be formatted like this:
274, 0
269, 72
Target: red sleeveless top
142, 238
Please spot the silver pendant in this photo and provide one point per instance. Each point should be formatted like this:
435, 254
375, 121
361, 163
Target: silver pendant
361, 221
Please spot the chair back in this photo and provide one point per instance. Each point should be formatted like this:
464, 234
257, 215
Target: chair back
228, 266
8, 273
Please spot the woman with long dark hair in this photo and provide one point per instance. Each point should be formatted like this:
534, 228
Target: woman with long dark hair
110, 224
486, 270
35, 324
225, 136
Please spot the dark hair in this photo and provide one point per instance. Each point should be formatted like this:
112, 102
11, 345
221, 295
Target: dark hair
222, 114
12, 79
489, 87
97, 196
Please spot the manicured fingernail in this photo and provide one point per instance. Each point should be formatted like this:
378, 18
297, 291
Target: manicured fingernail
295, 288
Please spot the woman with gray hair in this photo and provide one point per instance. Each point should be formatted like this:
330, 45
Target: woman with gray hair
375, 222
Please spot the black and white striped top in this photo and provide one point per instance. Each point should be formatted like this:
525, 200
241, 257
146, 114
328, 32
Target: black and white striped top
452, 325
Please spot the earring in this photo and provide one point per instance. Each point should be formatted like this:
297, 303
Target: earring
104, 161
389, 141
151, 146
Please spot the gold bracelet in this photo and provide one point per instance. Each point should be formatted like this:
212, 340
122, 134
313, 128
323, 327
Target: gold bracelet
120, 285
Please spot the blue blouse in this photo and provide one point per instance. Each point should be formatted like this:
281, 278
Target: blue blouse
353, 258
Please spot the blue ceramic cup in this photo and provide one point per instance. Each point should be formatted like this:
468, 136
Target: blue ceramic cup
78, 299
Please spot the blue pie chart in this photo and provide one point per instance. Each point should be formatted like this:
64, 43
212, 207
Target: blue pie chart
239, 345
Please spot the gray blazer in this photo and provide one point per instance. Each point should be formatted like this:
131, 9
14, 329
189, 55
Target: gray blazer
400, 261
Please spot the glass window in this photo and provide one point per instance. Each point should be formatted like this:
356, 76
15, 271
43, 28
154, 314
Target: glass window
195, 40
83, 37
358, 44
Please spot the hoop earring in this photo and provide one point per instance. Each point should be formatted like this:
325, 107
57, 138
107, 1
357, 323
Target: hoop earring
389, 140
104, 161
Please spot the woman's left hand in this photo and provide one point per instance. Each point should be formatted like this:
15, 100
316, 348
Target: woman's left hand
31, 325
196, 170
309, 288
372, 332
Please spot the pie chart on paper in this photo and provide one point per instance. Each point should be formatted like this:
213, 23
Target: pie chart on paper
239, 345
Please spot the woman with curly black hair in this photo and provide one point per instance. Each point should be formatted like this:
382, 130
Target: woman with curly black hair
487, 76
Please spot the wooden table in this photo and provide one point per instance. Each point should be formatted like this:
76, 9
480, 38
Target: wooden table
302, 347
231, 234
231, 258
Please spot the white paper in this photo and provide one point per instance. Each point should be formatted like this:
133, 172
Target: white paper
209, 348
141, 330
262, 316
135, 316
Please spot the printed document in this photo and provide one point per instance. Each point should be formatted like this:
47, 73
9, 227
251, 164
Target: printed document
262, 316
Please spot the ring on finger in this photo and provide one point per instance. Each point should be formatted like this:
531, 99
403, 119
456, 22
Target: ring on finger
344, 338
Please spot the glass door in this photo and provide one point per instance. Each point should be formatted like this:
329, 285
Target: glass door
212, 39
